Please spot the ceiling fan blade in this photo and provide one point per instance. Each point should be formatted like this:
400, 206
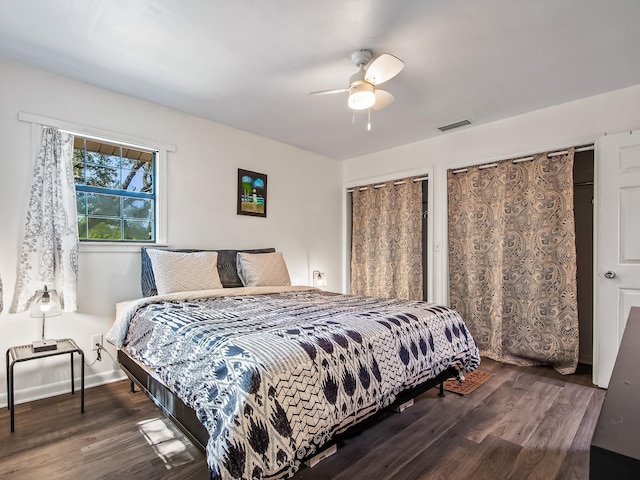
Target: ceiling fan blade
383, 98
383, 68
329, 92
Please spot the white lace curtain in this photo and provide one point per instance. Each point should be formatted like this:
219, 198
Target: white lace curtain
49, 253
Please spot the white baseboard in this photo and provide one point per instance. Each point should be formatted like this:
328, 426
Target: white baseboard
62, 387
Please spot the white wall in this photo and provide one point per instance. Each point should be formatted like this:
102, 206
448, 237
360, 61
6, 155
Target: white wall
569, 124
304, 209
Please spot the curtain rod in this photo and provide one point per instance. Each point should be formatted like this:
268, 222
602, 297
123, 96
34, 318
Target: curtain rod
384, 184
108, 140
99, 134
580, 148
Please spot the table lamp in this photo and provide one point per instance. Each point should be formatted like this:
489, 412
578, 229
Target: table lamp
45, 303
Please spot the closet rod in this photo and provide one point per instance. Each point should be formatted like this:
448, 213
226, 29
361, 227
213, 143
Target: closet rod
380, 185
579, 148
584, 184
584, 148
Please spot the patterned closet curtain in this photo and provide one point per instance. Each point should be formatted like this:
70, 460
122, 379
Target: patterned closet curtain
386, 243
512, 259
49, 253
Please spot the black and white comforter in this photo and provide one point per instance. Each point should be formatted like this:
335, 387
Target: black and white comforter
273, 376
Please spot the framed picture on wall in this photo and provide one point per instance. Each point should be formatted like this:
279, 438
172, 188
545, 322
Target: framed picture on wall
252, 193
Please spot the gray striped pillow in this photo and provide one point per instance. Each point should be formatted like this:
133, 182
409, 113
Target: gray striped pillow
263, 270
183, 272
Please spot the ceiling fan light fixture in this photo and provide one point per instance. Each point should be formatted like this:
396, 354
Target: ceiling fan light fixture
361, 96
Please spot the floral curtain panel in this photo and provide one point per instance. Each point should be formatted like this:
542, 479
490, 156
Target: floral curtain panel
512, 259
49, 253
386, 244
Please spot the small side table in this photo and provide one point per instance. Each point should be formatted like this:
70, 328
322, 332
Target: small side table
24, 353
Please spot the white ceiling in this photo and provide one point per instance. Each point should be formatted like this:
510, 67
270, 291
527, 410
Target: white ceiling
250, 63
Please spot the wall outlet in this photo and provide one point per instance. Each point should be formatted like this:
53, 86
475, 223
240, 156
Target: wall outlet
95, 341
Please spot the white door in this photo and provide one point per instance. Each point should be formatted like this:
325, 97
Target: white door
617, 245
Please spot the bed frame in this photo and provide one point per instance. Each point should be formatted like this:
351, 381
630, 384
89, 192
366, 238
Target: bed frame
184, 417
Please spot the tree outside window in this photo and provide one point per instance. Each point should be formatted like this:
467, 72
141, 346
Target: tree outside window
115, 191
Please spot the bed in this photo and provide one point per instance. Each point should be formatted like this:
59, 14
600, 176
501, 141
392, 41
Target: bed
263, 374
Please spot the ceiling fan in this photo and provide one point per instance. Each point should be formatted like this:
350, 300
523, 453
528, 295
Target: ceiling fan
362, 90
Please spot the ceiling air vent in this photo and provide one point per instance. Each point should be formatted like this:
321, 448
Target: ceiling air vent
451, 126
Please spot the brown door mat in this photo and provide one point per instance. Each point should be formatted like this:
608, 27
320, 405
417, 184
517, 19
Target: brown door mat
472, 381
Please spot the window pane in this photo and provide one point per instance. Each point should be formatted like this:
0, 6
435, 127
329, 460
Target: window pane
140, 208
82, 226
138, 179
102, 159
104, 229
105, 205
138, 230
78, 166
128, 163
106, 177
81, 203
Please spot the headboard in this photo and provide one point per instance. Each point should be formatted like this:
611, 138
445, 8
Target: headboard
226, 267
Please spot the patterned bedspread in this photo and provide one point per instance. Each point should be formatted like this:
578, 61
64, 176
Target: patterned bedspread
274, 376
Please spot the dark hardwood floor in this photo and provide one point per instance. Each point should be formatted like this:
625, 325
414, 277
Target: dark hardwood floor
524, 423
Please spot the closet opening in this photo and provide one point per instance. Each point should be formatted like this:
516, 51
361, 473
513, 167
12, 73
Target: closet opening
425, 236
504, 230
423, 180
583, 178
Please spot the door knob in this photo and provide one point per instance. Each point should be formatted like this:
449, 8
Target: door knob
609, 274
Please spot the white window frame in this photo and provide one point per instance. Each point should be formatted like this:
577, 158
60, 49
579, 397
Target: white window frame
163, 150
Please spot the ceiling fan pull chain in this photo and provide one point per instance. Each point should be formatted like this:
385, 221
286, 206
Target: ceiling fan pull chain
353, 119
369, 121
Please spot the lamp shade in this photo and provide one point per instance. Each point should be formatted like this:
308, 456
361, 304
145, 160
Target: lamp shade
45, 303
361, 96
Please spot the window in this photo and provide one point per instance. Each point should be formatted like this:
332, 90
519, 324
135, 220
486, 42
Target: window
139, 207
115, 191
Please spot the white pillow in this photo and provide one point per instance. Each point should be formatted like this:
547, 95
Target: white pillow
262, 270
182, 272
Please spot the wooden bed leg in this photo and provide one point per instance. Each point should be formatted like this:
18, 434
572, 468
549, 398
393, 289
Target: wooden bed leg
403, 406
318, 457
441, 392
133, 387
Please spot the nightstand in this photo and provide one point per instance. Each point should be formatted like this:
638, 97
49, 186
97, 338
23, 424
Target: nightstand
24, 353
